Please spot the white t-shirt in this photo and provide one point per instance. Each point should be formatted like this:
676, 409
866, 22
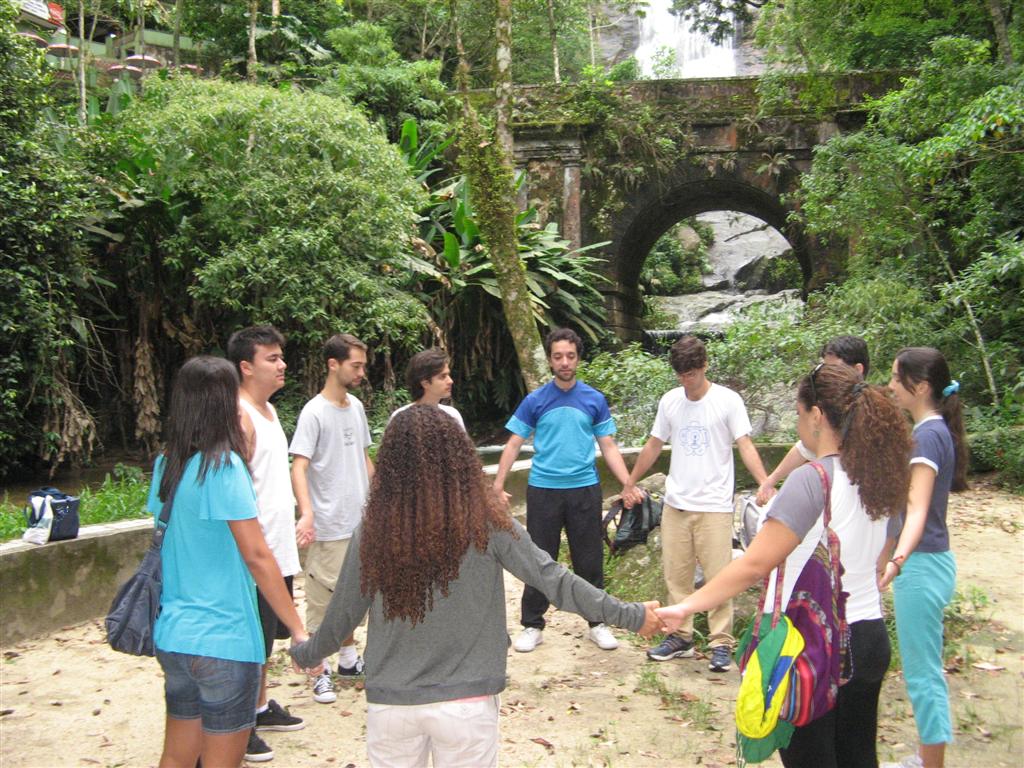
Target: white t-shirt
273, 484
799, 506
451, 411
334, 440
701, 476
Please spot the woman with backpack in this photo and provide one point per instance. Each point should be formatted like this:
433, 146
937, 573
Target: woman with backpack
922, 569
427, 563
862, 444
208, 637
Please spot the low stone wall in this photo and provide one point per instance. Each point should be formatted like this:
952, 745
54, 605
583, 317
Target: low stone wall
43, 588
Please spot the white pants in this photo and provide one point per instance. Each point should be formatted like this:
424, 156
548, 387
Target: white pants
456, 734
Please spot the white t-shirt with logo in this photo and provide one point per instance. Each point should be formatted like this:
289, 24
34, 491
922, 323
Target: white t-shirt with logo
273, 484
701, 475
335, 440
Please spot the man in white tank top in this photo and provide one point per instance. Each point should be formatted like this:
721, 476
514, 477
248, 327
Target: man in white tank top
257, 353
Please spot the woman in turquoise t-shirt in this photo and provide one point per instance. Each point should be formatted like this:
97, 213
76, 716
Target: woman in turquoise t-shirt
922, 568
208, 636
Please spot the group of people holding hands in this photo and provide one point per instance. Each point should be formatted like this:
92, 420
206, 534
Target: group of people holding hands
418, 541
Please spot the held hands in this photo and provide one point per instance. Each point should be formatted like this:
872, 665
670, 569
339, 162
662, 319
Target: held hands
671, 616
652, 624
631, 495
885, 577
500, 496
304, 532
298, 638
765, 492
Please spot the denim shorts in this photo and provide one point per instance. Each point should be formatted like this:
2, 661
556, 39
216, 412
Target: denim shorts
221, 692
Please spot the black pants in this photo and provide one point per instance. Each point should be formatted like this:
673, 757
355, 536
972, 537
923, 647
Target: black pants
270, 624
578, 510
845, 737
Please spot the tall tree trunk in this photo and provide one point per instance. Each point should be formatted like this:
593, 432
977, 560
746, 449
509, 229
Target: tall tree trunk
998, 14
179, 6
554, 41
503, 75
83, 112
275, 8
254, 10
591, 33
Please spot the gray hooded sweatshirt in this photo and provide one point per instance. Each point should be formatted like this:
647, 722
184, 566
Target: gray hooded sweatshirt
460, 648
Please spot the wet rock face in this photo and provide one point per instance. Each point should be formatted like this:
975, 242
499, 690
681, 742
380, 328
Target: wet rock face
740, 240
620, 38
714, 311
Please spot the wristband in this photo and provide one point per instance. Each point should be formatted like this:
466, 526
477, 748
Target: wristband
898, 562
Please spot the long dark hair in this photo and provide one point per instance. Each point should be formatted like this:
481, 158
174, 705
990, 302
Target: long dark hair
203, 419
428, 504
926, 364
875, 441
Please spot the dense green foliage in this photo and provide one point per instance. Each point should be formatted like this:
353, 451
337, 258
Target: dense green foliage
47, 276
677, 263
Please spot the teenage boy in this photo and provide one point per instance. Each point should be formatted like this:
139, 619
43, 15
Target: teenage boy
429, 379
842, 350
257, 353
702, 421
331, 471
564, 416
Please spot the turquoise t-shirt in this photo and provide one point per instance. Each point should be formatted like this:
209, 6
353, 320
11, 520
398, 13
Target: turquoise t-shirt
564, 425
208, 604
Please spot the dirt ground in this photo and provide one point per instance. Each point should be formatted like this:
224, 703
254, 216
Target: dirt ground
67, 700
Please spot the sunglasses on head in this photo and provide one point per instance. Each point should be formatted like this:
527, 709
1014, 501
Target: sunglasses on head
814, 391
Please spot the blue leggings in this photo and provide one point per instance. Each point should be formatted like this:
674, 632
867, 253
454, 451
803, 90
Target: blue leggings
920, 593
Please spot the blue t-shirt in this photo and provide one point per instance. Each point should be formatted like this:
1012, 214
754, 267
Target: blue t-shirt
933, 446
564, 425
208, 603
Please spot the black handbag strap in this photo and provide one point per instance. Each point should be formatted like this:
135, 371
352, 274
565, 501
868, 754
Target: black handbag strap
164, 519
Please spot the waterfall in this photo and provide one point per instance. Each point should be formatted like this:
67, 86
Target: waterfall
692, 53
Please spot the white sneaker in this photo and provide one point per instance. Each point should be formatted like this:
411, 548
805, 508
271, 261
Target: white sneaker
603, 638
910, 761
323, 689
528, 639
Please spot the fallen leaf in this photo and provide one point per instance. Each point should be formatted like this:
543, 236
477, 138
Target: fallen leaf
56, 703
985, 666
968, 695
345, 713
96, 712
544, 743
653, 755
984, 732
11, 654
5, 712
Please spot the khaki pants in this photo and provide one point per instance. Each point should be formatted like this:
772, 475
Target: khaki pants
323, 563
455, 734
686, 539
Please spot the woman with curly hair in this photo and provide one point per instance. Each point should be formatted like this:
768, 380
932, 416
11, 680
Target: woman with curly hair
427, 564
862, 442
923, 565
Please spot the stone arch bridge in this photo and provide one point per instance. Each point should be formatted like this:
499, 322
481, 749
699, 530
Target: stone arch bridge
737, 160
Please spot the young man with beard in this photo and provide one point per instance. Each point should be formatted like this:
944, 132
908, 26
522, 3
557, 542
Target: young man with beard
564, 417
331, 471
258, 355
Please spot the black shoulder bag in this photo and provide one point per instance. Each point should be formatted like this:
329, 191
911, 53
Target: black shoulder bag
632, 524
137, 603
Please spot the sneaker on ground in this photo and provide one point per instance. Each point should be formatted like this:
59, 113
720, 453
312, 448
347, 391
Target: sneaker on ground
721, 659
278, 718
257, 751
603, 638
528, 639
910, 761
356, 670
672, 647
323, 689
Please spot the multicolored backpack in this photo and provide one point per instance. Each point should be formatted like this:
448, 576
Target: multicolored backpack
817, 611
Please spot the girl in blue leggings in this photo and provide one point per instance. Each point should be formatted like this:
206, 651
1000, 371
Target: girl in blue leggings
922, 568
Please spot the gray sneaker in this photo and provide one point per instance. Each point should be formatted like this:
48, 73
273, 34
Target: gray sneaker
721, 659
323, 689
672, 647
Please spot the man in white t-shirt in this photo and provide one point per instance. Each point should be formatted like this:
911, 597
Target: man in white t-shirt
258, 355
429, 379
701, 421
331, 471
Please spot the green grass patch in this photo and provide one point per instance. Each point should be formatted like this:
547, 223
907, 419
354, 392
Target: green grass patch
121, 496
682, 704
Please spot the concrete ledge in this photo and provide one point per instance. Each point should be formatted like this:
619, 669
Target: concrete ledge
43, 588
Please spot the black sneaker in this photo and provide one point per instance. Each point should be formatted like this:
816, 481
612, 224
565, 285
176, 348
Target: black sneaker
721, 659
356, 670
257, 751
278, 718
672, 647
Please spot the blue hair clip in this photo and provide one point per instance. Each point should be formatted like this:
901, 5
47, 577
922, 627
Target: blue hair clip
951, 389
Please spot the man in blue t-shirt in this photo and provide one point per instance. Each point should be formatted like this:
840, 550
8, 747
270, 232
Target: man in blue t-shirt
564, 417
